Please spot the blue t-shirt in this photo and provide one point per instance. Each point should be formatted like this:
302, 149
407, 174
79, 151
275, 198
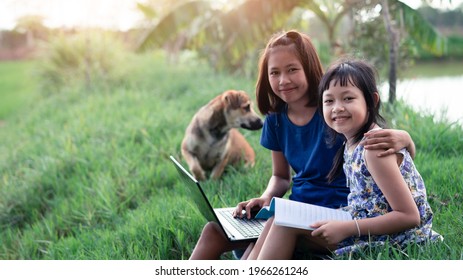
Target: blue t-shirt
309, 156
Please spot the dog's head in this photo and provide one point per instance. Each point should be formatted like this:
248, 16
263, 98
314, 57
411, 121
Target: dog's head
238, 110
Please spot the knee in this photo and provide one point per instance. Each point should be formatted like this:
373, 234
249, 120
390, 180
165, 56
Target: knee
212, 233
211, 243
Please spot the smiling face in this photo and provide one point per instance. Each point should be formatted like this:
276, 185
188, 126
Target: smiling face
286, 75
344, 108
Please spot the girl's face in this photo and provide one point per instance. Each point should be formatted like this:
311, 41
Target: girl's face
344, 108
286, 75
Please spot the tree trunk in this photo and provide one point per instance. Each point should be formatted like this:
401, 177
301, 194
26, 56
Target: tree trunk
393, 50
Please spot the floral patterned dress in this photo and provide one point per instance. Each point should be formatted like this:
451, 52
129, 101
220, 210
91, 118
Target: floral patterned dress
366, 201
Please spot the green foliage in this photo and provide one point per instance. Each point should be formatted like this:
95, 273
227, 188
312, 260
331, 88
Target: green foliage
447, 19
455, 47
370, 38
230, 38
454, 50
374, 45
420, 30
86, 175
184, 16
440, 138
90, 59
147, 11
227, 39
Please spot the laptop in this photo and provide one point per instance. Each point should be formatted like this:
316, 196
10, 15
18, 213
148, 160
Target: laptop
236, 229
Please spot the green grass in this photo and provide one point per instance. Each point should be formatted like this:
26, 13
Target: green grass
17, 86
85, 174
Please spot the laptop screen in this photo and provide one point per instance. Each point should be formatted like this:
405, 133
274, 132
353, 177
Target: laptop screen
196, 192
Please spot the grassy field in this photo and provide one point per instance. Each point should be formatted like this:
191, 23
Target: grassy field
16, 85
84, 173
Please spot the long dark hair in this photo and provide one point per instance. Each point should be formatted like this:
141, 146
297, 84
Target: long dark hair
362, 75
267, 100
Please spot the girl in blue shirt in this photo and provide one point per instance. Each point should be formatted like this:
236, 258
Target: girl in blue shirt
387, 197
286, 93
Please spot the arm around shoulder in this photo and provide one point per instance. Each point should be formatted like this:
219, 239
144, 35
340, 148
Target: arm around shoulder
411, 146
389, 141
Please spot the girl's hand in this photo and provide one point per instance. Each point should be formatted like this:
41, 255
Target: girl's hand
249, 205
390, 140
332, 232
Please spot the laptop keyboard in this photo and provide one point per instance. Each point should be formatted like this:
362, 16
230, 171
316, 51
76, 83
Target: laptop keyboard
248, 228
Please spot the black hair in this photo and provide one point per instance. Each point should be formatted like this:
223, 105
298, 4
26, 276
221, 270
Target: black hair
362, 75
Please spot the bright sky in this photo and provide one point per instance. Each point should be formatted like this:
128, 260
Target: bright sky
121, 14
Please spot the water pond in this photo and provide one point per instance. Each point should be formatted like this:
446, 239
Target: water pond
440, 96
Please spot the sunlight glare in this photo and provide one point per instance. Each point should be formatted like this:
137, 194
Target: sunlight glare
114, 14
119, 14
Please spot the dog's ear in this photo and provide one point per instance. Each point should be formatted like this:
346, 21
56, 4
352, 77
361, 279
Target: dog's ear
233, 98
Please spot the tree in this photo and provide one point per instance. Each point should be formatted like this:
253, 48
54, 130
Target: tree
393, 50
33, 27
404, 28
227, 37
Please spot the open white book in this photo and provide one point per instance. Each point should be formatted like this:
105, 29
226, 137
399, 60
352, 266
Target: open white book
296, 214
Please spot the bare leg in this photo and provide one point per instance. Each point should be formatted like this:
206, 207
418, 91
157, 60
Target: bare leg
246, 253
213, 243
275, 248
257, 247
281, 242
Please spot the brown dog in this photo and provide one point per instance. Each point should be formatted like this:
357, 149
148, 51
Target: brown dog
211, 139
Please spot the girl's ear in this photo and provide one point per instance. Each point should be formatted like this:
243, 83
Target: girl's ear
376, 98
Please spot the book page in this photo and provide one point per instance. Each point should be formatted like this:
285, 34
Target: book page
302, 215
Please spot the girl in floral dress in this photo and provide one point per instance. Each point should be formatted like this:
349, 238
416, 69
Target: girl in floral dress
387, 198
294, 132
